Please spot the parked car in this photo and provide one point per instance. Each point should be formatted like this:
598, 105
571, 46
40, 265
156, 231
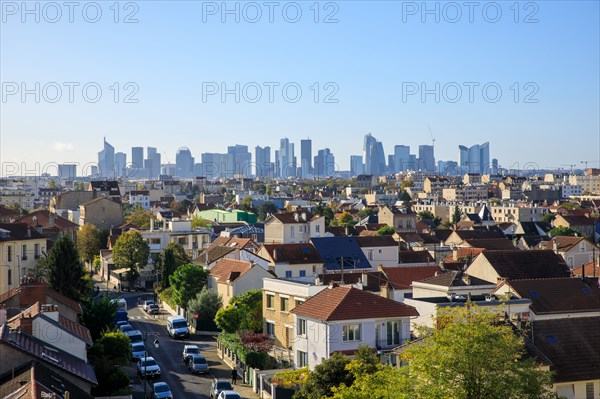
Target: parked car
121, 315
153, 309
146, 304
161, 390
229, 395
147, 367
138, 350
197, 364
121, 303
219, 385
122, 323
177, 327
125, 327
189, 350
135, 336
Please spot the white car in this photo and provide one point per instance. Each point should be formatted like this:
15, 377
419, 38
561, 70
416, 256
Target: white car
219, 385
138, 351
147, 367
189, 350
161, 390
229, 395
146, 304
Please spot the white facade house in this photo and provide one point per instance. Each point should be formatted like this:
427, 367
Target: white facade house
141, 198
341, 319
178, 231
293, 227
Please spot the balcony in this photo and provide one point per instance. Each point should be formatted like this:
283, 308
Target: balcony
389, 342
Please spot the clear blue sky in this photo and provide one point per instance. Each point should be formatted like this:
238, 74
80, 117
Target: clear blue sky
374, 50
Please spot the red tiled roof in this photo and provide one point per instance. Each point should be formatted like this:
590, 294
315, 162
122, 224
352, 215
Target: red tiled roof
4, 211
592, 269
229, 269
402, 277
293, 253
564, 243
376, 241
348, 303
43, 219
491, 244
527, 264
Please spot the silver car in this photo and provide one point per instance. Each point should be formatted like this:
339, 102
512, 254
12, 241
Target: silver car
197, 364
219, 385
161, 391
138, 350
147, 367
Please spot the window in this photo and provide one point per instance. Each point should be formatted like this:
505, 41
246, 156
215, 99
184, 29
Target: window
393, 333
9, 276
24, 252
292, 230
36, 251
301, 327
589, 390
317, 229
370, 253
270, 329
351, 332
302, 273
582, 247
270, 301
300, 229
9, 254
302, 359
288, 274
285, 304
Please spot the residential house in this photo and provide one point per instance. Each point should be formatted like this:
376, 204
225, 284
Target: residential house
231, 248
466, 193
458, 237
140, 198
20, 248
176, 231
573, 347
576, 251
221, 215
497, 266
234, 277
257, 234
18, 349
341, 254
280, 296
45, 323
21, 196
401, 219
50, 224
108, 188
69, 202
400, 279
292, 261
293, 227
8, 215
101, 212
591, 269
556, 298
582, 224
339, 319
379, 250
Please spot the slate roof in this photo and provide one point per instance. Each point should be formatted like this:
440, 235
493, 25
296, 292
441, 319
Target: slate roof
572, 345
48, 354
527, 264
293, 253
19, 231
4, 211
374, 280
290, 217
491, 244
414, 257
335, 249
564, 243
578, 220
402, 277
376, 241
348, 303
559, 295
454, 278
478, 234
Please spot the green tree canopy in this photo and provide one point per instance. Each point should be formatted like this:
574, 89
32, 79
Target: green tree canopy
346, 219
131, 251
563, 231
99, 315
405, 197
65, 272
206, 305
386, 231
427, 215
363, 213
330, 373
456, 215
88, 242
140, 217
171, 258
243, 313
265, 209
106, 355
187, 281
471, 356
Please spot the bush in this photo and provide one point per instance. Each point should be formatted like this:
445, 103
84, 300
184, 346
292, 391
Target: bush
166, 296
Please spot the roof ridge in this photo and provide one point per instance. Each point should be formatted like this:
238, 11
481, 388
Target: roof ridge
349, 288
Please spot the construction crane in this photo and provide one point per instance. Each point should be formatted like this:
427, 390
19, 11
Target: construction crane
586, 163
432, 138
571, 165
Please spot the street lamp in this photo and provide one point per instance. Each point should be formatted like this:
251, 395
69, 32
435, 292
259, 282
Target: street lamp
156, 345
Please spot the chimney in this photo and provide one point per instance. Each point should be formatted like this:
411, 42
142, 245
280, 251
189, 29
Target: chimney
555, 246
454, 253
304, 216
296, 216
28, 232
51, 219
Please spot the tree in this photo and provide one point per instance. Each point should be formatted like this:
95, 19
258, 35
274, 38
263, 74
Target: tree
265, 209
206, 305
171, 258
259, 188
548, 217
106, 355
327, 375
99, 315
200, 222
563, 231
386, 231
187, 281
181, 206
407, 183
345, 219
385, 383
131, 251
243, 313
363, 213
52, 184
405, 197
470, 355
570, 205
140, 217
246, 205
427, 215
65, 272
88, 242
456, 215
325, 211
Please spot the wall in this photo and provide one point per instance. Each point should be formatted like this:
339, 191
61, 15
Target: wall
53, 335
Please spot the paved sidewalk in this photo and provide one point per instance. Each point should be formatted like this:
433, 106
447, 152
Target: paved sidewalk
220, 369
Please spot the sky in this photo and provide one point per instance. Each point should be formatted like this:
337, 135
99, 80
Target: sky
524, 76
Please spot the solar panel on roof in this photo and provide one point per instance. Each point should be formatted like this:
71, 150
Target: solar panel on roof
551, 339
534, 294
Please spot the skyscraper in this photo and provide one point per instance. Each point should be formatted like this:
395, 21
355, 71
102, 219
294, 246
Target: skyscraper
474, 159
120, 164
286, 158
373, 156
324, 163
401, 158
426, 158
67, 171
239, 161
262, 160
152, 163
137, 158
306, 158
184, 163
356, 165
106, 161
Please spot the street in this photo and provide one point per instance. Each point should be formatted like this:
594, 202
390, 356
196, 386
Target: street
182, 382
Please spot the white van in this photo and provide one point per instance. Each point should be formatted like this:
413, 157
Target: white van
177, 327
121, 303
